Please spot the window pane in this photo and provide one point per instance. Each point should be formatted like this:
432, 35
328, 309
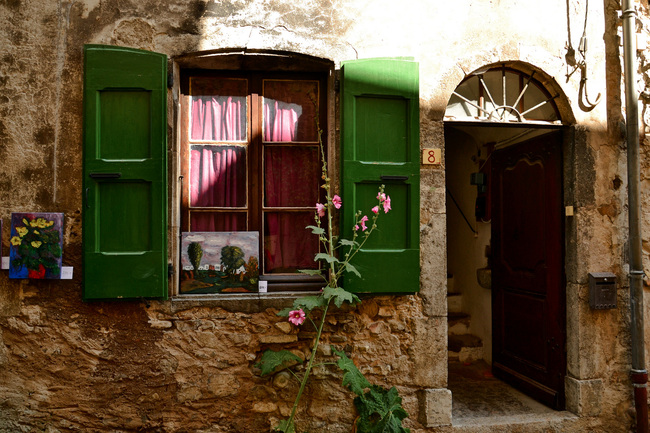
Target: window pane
217, 221
217, 176
218, 109
288, 246
292, 176
289, 110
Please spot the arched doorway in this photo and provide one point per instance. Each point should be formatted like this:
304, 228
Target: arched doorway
505, 234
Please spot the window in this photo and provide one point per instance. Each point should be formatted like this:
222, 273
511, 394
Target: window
502, 94
251, 157
249, 160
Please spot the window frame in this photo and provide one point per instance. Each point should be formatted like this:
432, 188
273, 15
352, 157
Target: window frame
255, 67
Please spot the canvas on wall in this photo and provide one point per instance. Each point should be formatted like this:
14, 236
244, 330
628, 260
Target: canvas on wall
36, 245
219, 262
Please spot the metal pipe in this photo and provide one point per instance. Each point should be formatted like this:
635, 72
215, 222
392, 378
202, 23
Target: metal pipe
639, 373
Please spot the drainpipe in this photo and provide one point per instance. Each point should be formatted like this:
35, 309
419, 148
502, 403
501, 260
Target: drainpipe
639, 373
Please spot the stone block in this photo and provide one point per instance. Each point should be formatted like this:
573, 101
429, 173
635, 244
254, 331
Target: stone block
584, 397
429, 355
273, 339
434, 407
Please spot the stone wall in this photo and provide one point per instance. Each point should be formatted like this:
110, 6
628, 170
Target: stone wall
181, 366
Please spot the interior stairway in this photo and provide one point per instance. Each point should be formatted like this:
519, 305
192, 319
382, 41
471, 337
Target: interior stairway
462, 346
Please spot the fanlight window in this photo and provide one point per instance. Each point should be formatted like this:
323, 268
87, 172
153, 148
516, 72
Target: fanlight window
502, 95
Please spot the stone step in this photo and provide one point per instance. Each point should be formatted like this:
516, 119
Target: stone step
457, 323
457, 342
450, 284
465, 348
454, 302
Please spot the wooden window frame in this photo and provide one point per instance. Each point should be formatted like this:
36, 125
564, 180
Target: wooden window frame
254, 159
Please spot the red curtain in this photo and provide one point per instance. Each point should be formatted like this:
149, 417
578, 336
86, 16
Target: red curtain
291, 176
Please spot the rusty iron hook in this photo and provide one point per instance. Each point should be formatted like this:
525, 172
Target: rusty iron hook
585, 105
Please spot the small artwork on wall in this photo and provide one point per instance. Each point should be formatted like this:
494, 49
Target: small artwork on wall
36, 245
219, 262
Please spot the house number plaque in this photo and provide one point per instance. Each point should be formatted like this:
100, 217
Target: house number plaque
431, 156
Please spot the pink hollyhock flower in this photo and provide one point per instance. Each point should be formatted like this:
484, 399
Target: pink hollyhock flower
375, 210
381, 196
336, 201
320, 209
297, 317
386, 204
363, 223
356, 227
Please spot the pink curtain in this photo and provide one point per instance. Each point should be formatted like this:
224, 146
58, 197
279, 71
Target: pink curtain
280, 120
218, 179
218, 118
218, 172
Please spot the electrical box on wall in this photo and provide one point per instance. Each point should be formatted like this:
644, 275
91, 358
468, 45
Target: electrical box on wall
602, 290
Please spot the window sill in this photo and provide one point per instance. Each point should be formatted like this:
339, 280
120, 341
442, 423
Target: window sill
237, 302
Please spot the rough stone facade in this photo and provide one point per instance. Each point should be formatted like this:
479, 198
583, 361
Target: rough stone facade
188, 366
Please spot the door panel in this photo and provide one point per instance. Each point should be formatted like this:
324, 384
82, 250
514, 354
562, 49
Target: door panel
528, 292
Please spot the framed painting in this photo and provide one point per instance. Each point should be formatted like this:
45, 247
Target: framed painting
219, 262
36, 245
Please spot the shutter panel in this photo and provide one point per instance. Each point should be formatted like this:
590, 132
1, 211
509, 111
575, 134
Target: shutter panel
124, 173
381, 141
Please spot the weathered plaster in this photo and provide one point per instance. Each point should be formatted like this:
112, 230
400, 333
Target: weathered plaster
177, 366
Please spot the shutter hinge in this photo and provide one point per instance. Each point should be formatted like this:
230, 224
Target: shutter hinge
170, 79
170, 270
337, 85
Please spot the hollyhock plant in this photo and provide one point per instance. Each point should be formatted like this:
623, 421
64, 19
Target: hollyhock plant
362, 221
386, 204
335, 257
297, 317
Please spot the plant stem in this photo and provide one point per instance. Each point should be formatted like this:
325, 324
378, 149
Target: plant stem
308, 370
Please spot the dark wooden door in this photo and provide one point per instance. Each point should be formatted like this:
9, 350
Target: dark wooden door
528, 289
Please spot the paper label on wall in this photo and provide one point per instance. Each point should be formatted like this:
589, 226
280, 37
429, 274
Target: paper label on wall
5, 263
66, 272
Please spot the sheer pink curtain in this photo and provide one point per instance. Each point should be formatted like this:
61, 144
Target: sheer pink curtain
218, 118
291, 180
280, 120
217, 172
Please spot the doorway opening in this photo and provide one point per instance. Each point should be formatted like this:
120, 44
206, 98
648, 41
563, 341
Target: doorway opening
505, 245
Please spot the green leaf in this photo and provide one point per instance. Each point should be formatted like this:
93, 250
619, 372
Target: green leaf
353, 379
339, 295
348, 243
285, 427
316, 230
309, 302
380, 411
285, 312
350, 268
272, 360
329, 258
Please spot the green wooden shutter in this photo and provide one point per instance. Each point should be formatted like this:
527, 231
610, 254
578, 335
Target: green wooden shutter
381, 141
124, 173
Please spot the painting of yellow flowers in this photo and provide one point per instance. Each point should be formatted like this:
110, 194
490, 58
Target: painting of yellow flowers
35, 245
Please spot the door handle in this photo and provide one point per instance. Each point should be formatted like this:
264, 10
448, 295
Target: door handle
390, 177
105, 175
